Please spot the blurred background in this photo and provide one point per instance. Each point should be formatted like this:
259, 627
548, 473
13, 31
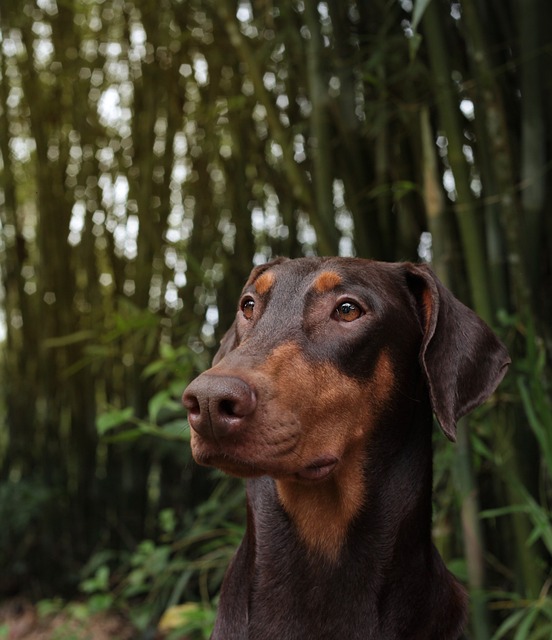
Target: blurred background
151, 152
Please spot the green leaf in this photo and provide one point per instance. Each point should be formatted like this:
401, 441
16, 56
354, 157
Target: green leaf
112, 419
542, 633
158, 402
414, 44
167, 351
504, 511
524, 628
100, 602
71, 338
176, 430
167, 520
125, 436
154, 367
511, 622
418, 12
98, 582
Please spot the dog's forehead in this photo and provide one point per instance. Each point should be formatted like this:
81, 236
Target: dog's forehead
287, 274
295, 278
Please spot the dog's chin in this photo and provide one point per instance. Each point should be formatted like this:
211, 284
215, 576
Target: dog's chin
317, 471
229, 464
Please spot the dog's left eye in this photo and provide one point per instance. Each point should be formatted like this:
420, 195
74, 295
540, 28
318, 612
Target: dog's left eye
347, 312
247, 307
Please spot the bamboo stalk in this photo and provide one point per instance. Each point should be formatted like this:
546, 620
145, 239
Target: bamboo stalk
472, 532
465, 207
354, 162
320, 134
466, 215
533, 134
498, 137
434, 201
498, 140
300, 187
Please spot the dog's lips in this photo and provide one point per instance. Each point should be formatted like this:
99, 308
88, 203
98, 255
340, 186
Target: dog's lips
231, 466
320, 469
236, 463
317, 470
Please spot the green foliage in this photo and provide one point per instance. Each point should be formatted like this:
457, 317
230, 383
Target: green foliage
531, 618
418, 11
187, 559
185, 562
192, 620
24, 509
166, 418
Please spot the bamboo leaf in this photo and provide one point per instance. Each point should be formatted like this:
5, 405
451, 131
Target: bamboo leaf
524, 628
178, 430
503, 511
157, 404
125, 436
511, 622
112, 419
542, 633
71, 338
418, 12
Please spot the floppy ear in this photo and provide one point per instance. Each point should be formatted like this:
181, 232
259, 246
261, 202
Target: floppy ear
462, 359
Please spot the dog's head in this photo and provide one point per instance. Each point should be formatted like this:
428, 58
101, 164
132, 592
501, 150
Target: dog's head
322, 351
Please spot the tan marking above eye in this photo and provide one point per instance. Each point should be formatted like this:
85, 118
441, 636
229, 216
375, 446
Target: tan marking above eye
264, 282
327, 281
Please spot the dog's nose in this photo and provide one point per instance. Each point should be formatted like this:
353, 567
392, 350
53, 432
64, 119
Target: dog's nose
218, 405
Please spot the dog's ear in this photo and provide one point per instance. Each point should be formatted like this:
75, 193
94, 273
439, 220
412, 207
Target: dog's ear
461, 357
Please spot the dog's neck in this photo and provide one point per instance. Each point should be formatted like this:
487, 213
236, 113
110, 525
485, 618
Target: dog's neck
381, 560
381, 484
378, 498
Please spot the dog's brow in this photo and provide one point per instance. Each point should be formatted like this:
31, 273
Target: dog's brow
327, 281
264, 282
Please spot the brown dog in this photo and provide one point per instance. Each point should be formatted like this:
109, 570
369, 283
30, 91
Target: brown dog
322, 394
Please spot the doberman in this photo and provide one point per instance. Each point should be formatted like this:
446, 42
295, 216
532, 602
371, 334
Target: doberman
322, 394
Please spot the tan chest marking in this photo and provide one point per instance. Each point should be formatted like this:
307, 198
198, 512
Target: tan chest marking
336, 415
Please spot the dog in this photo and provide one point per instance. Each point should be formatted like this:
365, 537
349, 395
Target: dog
322, 395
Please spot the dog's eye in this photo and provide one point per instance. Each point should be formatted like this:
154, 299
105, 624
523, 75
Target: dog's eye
347, 312
247, 307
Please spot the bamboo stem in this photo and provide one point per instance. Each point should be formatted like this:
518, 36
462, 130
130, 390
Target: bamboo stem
533, 135
498, 138
466, 215
301, 188
472, 532
465, 208
320, 135
434, 201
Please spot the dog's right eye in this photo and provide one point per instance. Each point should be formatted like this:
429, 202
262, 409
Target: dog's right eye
247, 307
347, 311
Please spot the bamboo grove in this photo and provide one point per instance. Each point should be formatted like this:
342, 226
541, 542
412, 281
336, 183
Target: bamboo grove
153, 150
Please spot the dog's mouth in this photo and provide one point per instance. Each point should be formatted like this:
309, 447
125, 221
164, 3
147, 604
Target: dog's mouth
319, 469
231, 466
